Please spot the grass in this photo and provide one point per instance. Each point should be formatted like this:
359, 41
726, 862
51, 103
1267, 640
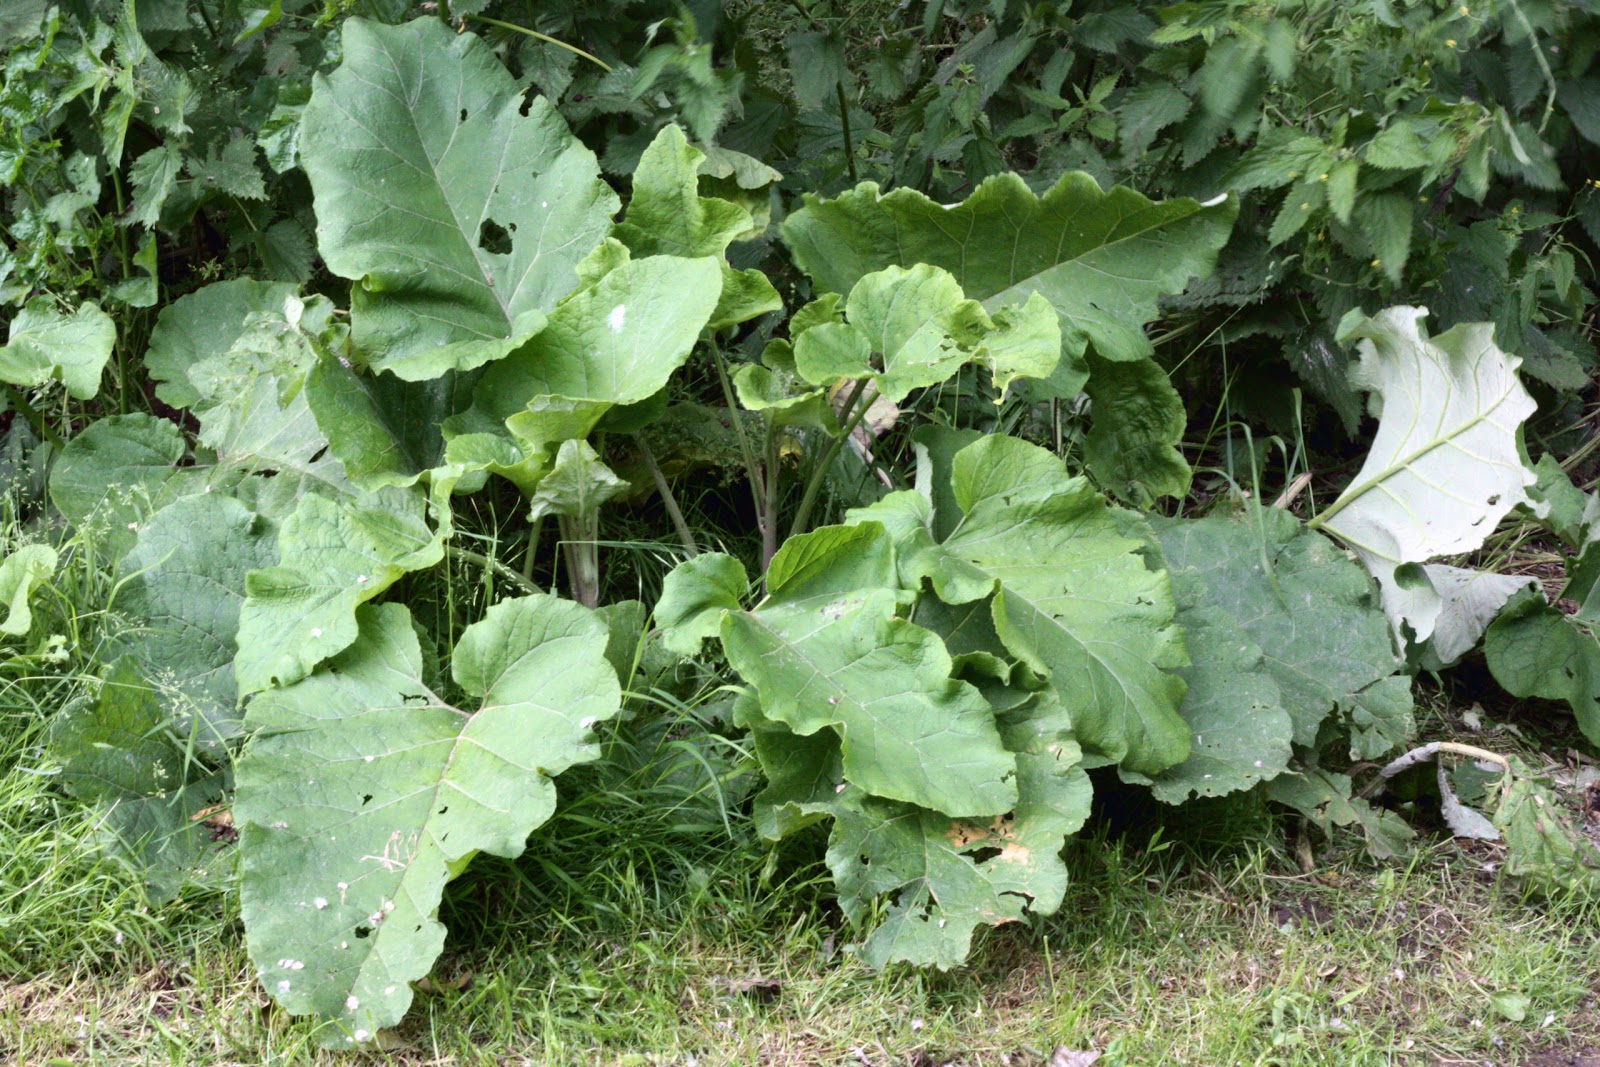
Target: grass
643, 929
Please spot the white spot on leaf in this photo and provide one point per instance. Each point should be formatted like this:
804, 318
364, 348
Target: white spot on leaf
618, 316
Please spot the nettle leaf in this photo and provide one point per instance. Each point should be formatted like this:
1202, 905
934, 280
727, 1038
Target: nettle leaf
1074, 598
1102, 259
908, 329
1533, 650
44, 345
185, 585
118, 752
367, 790
22, 572
462, 218
1446, 464
827, 649
337, 555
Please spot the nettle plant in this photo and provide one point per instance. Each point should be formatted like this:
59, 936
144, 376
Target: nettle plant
936, 676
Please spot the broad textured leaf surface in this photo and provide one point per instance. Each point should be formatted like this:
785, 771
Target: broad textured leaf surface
1102, 259
1241, 730
911, 328
45, 345
1469, 601
1535, 651
423, 166
119, 471
614, 342
1292, 594
336, 555
1075, 599
118, 752
366, 787
948, 877
185, 585
828, 649
205, 324
1446, 465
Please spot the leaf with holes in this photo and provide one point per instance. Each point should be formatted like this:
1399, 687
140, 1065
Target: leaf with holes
461, 218
366, 791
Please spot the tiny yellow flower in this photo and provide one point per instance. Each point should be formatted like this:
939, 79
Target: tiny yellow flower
1305, 207
1463, 10
1294, 174
1449, 42
1322, 177
1377, 263
1422, 200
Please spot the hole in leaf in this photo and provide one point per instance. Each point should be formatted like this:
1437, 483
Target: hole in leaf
463, 114
367, 799
444, 809
492, 237
363, 932
1493, 500
319, 453
983, 855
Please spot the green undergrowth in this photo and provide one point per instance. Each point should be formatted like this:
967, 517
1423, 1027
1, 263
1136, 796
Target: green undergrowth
647, 925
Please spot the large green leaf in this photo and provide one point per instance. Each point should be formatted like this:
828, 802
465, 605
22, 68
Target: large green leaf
120, 470
614, 342
45, 345
1447, 462
119, 753
948, 877
913, 328
462, 218
1533, 650
207, 323
366, 790
828, 649
1074, 599
185, 585
1102, 259
336, 555
1293, 595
